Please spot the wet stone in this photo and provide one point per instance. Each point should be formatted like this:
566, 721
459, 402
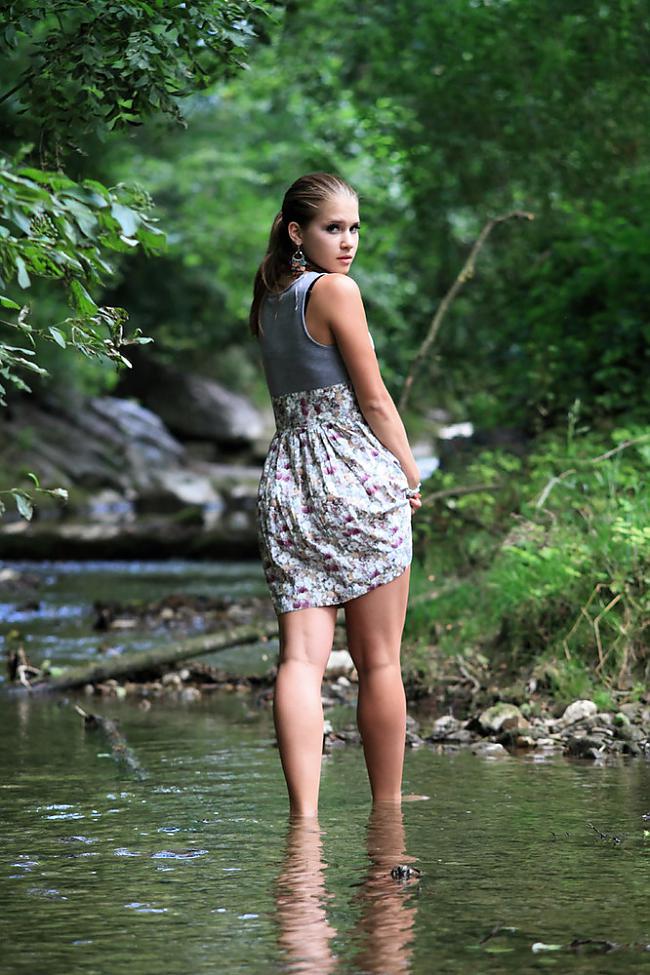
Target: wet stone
585, 746
489, 748
502, 716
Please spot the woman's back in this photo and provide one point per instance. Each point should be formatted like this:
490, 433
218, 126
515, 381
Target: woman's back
293, 360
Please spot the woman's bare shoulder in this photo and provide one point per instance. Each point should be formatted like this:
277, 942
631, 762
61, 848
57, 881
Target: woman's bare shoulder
334, 284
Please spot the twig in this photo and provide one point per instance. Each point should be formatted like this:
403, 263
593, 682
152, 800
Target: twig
592, 460
612, 602
476, 684
117, 741
460, 490
621, 446
465, 274
551, 484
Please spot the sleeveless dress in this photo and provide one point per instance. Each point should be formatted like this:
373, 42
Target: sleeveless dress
333, 518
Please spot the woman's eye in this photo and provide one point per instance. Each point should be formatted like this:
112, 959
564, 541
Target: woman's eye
335, 226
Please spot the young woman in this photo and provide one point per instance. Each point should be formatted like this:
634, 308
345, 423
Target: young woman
337, 491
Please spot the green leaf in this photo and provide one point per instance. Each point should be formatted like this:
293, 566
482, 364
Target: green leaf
8, 303
58, 336
23, 276
24, 504
83, 302
84, 217
127, 218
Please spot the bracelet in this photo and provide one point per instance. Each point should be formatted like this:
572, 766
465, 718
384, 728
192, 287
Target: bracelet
413, 492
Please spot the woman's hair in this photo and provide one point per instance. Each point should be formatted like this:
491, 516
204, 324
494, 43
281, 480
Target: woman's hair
301, 203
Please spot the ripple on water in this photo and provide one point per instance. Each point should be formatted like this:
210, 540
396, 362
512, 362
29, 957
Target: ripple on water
60, 810
145, 908
51, 893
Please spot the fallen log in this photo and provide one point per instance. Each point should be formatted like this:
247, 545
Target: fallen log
134, 665
119, 745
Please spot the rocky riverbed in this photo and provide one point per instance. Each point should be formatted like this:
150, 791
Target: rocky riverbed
463, 709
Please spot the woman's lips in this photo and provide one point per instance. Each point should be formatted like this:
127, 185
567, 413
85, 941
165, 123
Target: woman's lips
344, 258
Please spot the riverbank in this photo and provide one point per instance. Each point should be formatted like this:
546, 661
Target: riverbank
470, 704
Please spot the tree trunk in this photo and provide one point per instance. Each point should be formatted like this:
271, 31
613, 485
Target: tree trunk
134, 665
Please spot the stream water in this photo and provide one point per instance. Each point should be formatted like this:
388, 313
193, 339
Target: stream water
197, 869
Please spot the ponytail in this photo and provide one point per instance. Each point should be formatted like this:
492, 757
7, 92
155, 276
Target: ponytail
272, 269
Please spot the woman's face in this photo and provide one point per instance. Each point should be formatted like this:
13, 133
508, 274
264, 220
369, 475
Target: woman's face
331, 239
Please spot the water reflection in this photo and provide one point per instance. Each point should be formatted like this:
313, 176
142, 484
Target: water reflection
385, 929
305, 933
382, 936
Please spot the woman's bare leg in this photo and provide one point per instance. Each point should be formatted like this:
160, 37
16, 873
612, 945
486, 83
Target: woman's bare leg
374, 625
306, 637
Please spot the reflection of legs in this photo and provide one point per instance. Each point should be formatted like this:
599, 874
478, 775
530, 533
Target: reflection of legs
374, 625
305, 932
305, 643
385, 929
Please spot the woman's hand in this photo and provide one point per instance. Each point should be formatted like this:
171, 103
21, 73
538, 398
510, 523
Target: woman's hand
415, 502
414, 497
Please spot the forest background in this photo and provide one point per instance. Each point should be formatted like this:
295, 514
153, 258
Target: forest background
146, 149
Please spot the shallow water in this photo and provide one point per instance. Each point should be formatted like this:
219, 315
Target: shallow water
197, 869
57, 624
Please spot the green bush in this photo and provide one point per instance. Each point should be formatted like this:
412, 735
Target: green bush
553, 563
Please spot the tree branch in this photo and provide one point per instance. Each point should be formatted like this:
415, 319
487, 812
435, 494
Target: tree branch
466, 272
460, 490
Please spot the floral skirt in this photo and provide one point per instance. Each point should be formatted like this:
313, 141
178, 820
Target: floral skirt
333, 517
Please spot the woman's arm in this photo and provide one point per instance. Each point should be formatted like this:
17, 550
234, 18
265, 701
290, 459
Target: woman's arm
337, 298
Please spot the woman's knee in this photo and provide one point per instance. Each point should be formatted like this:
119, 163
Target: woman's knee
311, 659
374, 659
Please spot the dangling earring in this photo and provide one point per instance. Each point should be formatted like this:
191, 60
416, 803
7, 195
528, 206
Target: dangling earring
298, 262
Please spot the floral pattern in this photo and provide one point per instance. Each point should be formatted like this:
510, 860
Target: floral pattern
333, 518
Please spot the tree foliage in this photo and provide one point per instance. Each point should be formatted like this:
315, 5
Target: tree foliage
85, 69
92, 66
443, 116
60, 230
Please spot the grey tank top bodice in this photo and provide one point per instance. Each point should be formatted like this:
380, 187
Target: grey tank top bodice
293, 360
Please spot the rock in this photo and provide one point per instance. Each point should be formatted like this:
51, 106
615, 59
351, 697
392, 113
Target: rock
444, 726
516, 738
631, 710
502, 716
199, 409
177, 489
632, 748
95, 442
585, 746
108, 506
577, 711
489, 748
549, 744
630, 732
340, 663
462, 736
413, 740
